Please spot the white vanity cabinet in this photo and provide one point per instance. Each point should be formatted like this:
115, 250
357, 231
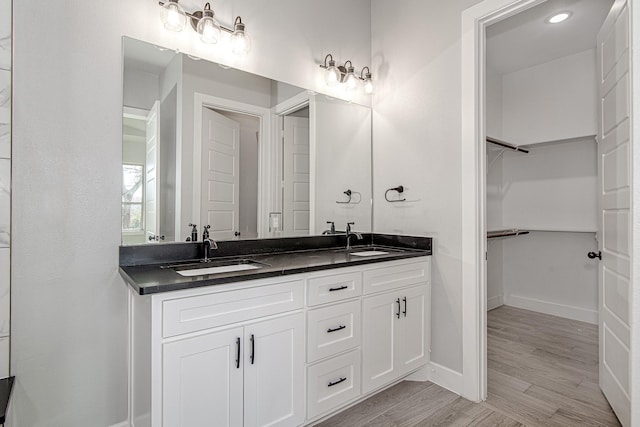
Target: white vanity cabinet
283, 351
395, 335
396, 324
232, 376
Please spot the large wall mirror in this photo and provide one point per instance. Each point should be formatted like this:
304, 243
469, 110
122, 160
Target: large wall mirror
252, 157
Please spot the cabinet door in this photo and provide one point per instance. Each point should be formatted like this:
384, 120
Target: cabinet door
412, 330
274, 372
201, 381
379, 315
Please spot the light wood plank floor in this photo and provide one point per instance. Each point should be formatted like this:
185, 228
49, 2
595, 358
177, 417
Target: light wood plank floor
543, 371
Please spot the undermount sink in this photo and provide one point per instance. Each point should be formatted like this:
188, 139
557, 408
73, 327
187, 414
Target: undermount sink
371, 252
217, 267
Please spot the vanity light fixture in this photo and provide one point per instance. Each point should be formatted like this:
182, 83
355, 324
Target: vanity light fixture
558, 17
335, 75
203, 21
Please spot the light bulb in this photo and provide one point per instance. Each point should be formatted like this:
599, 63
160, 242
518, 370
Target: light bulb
240, 42
332, 76
209, 30
173, 16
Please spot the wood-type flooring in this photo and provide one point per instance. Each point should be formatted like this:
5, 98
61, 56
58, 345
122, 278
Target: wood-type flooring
543, 371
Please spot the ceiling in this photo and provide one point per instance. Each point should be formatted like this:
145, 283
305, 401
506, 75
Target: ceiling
525, 39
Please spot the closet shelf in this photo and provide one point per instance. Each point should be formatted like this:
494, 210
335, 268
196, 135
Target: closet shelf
506, 144
506, 233
561, 229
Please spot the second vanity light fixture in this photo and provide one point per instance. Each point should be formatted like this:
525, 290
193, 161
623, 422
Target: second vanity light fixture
345, 74
175, 18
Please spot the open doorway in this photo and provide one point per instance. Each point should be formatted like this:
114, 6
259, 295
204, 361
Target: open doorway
546, 100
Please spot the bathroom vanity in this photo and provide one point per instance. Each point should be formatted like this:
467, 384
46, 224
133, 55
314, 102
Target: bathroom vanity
308, 329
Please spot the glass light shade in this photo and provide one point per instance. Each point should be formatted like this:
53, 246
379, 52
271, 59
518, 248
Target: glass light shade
173, 16
332, 75
368, 85
350, 79
208, 29
240, 42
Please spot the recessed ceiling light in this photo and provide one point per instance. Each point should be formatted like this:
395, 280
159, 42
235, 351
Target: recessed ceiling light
558, 17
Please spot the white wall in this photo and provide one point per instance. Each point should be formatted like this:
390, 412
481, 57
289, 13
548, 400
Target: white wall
416, 53
552, 187
546, 116
69, 304
341, 144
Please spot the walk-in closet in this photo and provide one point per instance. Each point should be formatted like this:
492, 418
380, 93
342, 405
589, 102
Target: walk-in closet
542, 112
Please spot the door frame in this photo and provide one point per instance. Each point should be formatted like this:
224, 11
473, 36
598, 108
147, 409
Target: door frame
473, 153
201, 101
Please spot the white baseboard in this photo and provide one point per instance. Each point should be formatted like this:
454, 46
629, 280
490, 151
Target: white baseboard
495, 302
561, 310
445, 377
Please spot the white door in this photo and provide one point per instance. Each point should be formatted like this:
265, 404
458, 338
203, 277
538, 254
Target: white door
151, 211
274, 372
220, 177
614, 167
412, 330
202, 381
379, 315
296, 176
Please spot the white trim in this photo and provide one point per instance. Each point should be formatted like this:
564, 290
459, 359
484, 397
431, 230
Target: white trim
446, 378
122, 424
265, 145
474, 246
554, 309
495, 302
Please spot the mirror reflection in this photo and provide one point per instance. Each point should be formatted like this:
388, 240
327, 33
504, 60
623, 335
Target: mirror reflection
252, 157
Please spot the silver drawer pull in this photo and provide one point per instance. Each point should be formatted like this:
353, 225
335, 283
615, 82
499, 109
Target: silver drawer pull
339, 328
341, 380
339, 288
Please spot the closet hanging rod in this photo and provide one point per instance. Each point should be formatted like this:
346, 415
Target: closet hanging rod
505, 233
506, 145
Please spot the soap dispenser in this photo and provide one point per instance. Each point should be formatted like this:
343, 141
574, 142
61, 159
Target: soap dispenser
194, 232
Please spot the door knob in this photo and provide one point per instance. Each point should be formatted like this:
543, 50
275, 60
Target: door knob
593, 255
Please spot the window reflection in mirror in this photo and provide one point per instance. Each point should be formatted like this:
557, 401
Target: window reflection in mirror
250, 156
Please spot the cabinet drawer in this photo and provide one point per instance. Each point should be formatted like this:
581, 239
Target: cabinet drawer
332, 383
332, 330
200, 312
396, 276
334, 288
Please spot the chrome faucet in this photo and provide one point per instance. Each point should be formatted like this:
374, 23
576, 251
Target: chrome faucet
351, 233
330, 231
207, 243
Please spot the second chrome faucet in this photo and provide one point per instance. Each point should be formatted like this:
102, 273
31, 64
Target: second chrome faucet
351, 233
208, 243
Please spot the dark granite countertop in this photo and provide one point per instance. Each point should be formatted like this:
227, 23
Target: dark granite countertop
149, 278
